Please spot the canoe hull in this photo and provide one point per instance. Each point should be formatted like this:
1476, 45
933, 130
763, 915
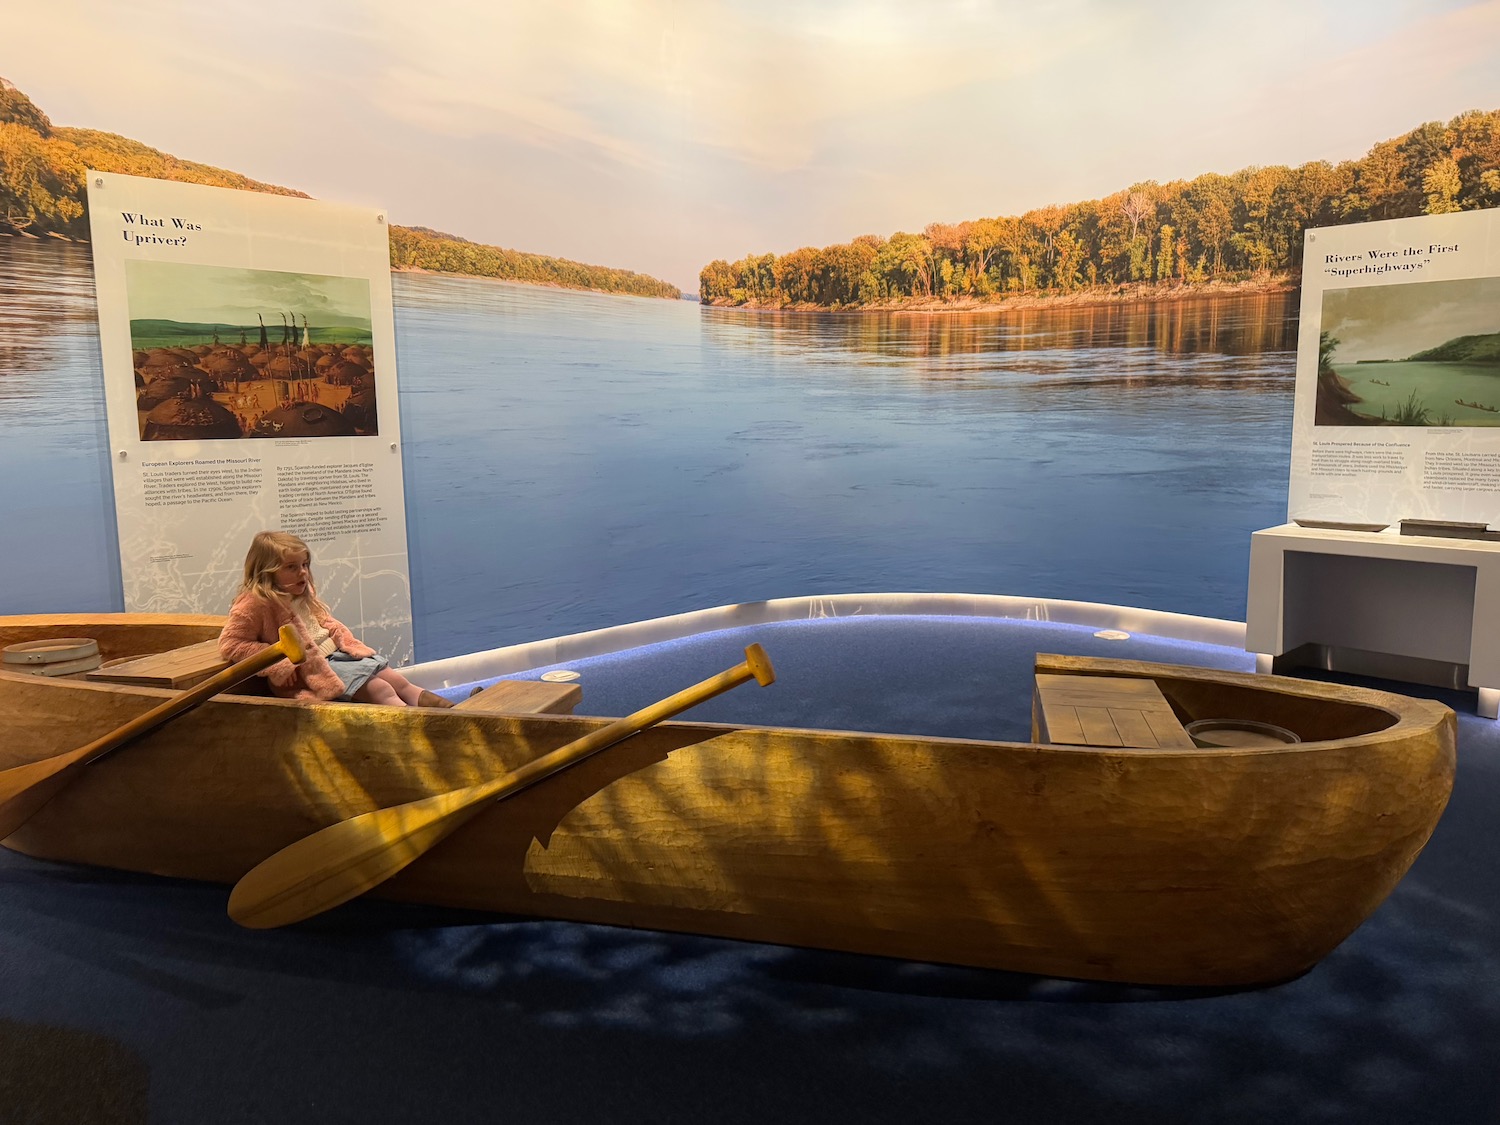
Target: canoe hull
1204, 867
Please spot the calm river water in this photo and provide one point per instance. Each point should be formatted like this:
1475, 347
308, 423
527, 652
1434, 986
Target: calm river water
576, 460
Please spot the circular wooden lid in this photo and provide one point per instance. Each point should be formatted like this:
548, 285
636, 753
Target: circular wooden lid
56, 668
54, 650
1227, 733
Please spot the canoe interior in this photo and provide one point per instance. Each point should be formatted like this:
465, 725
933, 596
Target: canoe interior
1315, 712
124, 636
1201, 867
120, 635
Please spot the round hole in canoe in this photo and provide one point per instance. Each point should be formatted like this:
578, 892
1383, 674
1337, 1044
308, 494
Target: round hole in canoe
1238, 733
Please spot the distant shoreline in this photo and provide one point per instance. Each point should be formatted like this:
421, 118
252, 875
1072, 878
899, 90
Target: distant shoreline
530, 284
1099, 297
404, 269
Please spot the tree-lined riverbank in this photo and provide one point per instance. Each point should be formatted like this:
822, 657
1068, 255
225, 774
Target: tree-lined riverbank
42, 192
1099, 296
1147, 241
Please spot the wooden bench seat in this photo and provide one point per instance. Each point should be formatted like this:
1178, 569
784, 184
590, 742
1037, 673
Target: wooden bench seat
524, 697
183, 668
1104, 711
178, 668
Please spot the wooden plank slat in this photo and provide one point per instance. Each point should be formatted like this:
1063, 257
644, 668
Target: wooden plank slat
524, 697
176, 668
1105, 711
1169, 732
1134, 727
1100, 691
1052, 723
1098, 726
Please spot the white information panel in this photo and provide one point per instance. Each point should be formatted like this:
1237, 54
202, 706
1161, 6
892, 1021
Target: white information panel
250, 383
1397, 411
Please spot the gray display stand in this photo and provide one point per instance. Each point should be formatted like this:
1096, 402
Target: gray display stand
1414, 608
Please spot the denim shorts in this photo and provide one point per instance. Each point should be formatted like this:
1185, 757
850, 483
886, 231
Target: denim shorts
355, 671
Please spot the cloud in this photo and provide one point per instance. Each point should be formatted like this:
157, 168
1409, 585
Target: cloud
658, 134
644, 80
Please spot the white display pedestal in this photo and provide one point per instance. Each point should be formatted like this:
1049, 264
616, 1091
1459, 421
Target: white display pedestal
1408, 607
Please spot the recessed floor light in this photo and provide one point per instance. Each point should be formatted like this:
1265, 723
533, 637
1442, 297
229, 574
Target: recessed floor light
1112, 635
560, 676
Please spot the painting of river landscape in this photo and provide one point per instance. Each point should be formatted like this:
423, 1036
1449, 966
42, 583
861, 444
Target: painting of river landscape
1421, 354
208, 367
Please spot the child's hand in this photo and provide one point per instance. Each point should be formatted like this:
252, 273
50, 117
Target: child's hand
282, 674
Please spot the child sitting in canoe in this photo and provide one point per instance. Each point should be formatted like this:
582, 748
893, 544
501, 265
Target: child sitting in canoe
278, 590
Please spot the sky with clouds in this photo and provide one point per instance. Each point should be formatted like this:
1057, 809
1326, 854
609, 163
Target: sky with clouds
1395, 321
218, 294
657, 135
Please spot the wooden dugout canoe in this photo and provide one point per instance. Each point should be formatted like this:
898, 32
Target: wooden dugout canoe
1186, 867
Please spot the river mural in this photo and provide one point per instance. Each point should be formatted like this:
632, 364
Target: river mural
575, 460
1011, 323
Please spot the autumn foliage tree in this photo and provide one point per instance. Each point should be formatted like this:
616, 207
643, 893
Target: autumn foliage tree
42, 191
1214, 227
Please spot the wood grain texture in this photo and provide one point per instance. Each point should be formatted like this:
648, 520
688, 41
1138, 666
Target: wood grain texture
1191, 867
1105, 711
27, 787
524, 697
351, 857
176, 668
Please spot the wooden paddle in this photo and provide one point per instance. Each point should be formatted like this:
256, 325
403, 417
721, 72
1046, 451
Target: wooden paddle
25, 789
344, 860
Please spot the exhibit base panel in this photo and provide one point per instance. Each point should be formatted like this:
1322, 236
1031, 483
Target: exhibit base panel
1408, 608
1381, 665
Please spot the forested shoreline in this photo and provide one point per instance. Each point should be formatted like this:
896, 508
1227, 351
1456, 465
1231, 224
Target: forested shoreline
418, 248
43, 192
1148, 241
1238, 232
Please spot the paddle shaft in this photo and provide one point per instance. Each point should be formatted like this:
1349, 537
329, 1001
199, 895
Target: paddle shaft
346, 859
287, 647
22, 781
550, 763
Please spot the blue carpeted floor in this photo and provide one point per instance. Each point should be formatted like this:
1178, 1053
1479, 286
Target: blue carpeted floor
128, 999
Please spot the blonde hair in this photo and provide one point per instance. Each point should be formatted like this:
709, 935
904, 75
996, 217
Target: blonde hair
269, 552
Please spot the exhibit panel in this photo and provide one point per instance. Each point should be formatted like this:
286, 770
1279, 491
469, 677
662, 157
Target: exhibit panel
1387, 566
248, 342
1397, 412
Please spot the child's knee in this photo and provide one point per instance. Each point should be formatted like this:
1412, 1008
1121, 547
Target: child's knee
374, 691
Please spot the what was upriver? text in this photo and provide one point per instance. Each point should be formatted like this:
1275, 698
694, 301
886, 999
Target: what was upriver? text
171, 222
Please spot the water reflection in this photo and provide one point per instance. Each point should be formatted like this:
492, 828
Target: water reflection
575, 460
1123, 343
47, 312
53, 442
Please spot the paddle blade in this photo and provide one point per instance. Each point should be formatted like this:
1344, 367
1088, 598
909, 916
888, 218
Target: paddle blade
342, 861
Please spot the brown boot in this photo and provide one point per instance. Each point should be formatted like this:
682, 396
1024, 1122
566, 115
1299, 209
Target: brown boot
432, 699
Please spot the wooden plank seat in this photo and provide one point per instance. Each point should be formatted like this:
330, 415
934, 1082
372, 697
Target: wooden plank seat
177, 668
1105, 711
186, 667
524, 697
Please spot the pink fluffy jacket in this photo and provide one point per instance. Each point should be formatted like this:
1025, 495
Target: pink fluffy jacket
255, 622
